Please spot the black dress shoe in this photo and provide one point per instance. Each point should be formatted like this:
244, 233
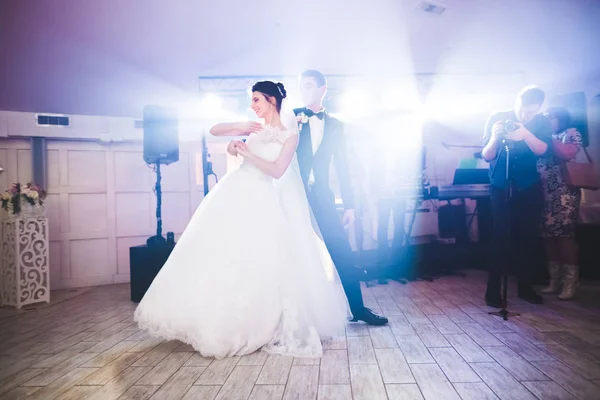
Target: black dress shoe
369, 317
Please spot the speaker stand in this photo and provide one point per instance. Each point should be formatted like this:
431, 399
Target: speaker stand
158, 239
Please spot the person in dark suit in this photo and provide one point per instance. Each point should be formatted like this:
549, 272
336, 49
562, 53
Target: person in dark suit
321, 141
517, 203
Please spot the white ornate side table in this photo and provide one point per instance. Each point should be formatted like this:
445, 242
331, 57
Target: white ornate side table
24, 261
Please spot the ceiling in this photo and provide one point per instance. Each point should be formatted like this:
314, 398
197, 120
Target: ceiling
112, 57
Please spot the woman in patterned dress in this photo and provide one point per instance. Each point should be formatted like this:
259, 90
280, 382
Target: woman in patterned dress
561, 206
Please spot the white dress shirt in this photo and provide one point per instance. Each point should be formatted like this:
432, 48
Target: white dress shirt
317, 128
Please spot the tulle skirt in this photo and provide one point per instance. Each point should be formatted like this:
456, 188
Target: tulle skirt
242, 278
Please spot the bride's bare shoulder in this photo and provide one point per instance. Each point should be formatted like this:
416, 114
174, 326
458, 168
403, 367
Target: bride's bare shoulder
288, 132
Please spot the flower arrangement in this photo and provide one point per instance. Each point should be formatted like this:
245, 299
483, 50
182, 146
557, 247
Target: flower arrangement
19, 195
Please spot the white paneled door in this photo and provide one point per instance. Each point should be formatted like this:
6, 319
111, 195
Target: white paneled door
101, 202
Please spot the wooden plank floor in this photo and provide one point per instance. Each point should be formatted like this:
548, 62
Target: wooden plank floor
440, 344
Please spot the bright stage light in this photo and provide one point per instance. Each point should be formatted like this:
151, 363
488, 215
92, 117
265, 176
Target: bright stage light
392, 101
198, 114
211, 106
400, 99
354, 104
293, 100
448, 107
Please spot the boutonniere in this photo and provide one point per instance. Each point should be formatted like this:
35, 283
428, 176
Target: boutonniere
302, 118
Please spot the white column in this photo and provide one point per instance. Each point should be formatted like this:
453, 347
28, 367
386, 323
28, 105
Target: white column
24, 261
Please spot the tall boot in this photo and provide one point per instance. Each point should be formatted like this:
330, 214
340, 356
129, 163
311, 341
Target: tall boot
554, 285
570, 282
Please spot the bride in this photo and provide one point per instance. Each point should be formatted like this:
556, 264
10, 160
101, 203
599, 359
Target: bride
249, 272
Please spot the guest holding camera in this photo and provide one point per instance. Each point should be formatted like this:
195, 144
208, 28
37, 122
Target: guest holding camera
561, 206
516, 203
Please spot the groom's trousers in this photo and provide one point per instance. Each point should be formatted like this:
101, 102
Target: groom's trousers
334, 236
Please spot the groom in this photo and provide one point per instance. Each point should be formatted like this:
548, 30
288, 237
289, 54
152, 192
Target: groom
321, 140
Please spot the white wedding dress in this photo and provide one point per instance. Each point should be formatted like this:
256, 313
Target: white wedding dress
249, 272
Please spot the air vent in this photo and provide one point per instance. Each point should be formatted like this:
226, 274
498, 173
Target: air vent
51, 120
432, 8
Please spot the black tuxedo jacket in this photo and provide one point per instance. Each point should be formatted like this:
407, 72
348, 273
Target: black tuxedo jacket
333, 146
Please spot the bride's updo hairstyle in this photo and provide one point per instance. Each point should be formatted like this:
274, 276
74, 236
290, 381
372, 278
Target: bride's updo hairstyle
271, 90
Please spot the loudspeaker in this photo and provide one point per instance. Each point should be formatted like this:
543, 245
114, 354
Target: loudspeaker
576, 103
144, 264
38, 157
161, 135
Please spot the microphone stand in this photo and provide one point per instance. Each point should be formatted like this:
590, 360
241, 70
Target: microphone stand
504, 313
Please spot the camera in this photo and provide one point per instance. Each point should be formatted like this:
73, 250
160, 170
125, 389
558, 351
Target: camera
510, 126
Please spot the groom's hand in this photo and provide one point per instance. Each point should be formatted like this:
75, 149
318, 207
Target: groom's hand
348, 218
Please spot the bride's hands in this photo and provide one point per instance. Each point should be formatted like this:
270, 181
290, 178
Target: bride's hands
242, 150
232, 147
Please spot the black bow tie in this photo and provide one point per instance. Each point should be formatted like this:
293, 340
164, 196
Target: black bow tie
309, 113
